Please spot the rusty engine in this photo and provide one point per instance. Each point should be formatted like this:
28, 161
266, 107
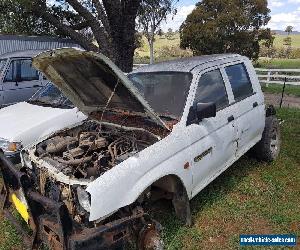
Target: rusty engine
84, 153
92, 149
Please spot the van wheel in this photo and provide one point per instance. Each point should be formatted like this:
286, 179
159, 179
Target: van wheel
267, 149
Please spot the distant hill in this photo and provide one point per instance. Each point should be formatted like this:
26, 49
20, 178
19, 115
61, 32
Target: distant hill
281, 32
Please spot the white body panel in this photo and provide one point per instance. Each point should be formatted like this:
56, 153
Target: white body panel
26, 123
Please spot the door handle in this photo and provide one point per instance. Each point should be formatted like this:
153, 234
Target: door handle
255, 104
36, 86
230, 118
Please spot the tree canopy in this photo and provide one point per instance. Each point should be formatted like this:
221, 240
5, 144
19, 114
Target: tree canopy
227, 26
289, 29
107, 26
16, 19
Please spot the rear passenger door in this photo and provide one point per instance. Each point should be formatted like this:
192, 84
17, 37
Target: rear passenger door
213, 140
248, 105
21, 81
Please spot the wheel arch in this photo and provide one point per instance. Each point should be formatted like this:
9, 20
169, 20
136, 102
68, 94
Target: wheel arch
173, 188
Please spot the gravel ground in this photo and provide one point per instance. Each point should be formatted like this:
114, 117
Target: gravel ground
288, 100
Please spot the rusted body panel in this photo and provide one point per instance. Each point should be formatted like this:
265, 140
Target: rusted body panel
51, 223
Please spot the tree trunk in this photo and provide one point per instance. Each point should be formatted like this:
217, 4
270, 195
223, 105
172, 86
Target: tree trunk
121, 18
151, 46
124, 46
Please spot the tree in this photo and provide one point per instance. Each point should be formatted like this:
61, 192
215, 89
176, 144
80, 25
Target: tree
169, 34
160, 32
15, 19
289, 29
227, 26
287, 41
151, 14
107, 26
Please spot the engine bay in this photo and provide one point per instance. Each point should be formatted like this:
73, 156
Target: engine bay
91, 149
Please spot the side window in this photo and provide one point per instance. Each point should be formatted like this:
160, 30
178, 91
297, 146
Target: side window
211, 88
27, 72
11, 74
239, 80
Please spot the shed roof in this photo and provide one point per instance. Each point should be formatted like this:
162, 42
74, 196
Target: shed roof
22, 53
35, 38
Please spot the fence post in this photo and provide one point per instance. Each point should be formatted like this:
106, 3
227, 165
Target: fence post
282, 93
269, 78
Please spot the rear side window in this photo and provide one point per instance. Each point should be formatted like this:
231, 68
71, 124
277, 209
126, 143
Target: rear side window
240, 81
211, 88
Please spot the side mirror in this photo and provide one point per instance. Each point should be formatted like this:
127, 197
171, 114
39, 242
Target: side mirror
199, 111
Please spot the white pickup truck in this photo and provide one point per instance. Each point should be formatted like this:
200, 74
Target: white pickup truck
164, 131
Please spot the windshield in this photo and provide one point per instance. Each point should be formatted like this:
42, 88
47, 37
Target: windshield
50, 95
166, 92
2, 64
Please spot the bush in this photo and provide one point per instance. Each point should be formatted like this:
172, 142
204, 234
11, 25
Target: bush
165, 53
284, 52
169, 52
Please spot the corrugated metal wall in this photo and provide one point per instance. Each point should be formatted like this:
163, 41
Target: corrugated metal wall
18, 43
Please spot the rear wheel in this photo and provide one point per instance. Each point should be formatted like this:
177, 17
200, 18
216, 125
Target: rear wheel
267, 149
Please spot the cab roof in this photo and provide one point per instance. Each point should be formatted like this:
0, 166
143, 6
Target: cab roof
186, 64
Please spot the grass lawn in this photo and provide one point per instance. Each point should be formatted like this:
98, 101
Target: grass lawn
279, 63
162, 41
277, 89
278, 41
250, 197
142, 54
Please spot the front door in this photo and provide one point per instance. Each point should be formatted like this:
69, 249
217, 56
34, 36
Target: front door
21, 81
213, 140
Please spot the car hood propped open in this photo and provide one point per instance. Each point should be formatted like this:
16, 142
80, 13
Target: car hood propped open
93, 82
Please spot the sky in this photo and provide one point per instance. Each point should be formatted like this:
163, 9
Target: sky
283, 13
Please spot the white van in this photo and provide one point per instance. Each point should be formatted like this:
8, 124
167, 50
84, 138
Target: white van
18, 79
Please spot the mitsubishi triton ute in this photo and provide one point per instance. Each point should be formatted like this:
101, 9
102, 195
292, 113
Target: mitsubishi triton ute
163, 131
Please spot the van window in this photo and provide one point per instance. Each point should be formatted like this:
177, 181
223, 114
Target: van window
21, 70
27, 72
2, 64
239, 80
211, 88
11, 74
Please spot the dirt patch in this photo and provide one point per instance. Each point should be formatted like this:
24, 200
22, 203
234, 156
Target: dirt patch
289, 101
295, 226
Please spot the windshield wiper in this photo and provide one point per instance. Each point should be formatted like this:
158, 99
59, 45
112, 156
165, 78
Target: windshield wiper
38, 102
167, 117
47, 104
62, 105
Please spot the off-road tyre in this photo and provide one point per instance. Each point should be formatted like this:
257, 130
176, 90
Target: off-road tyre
267, 149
